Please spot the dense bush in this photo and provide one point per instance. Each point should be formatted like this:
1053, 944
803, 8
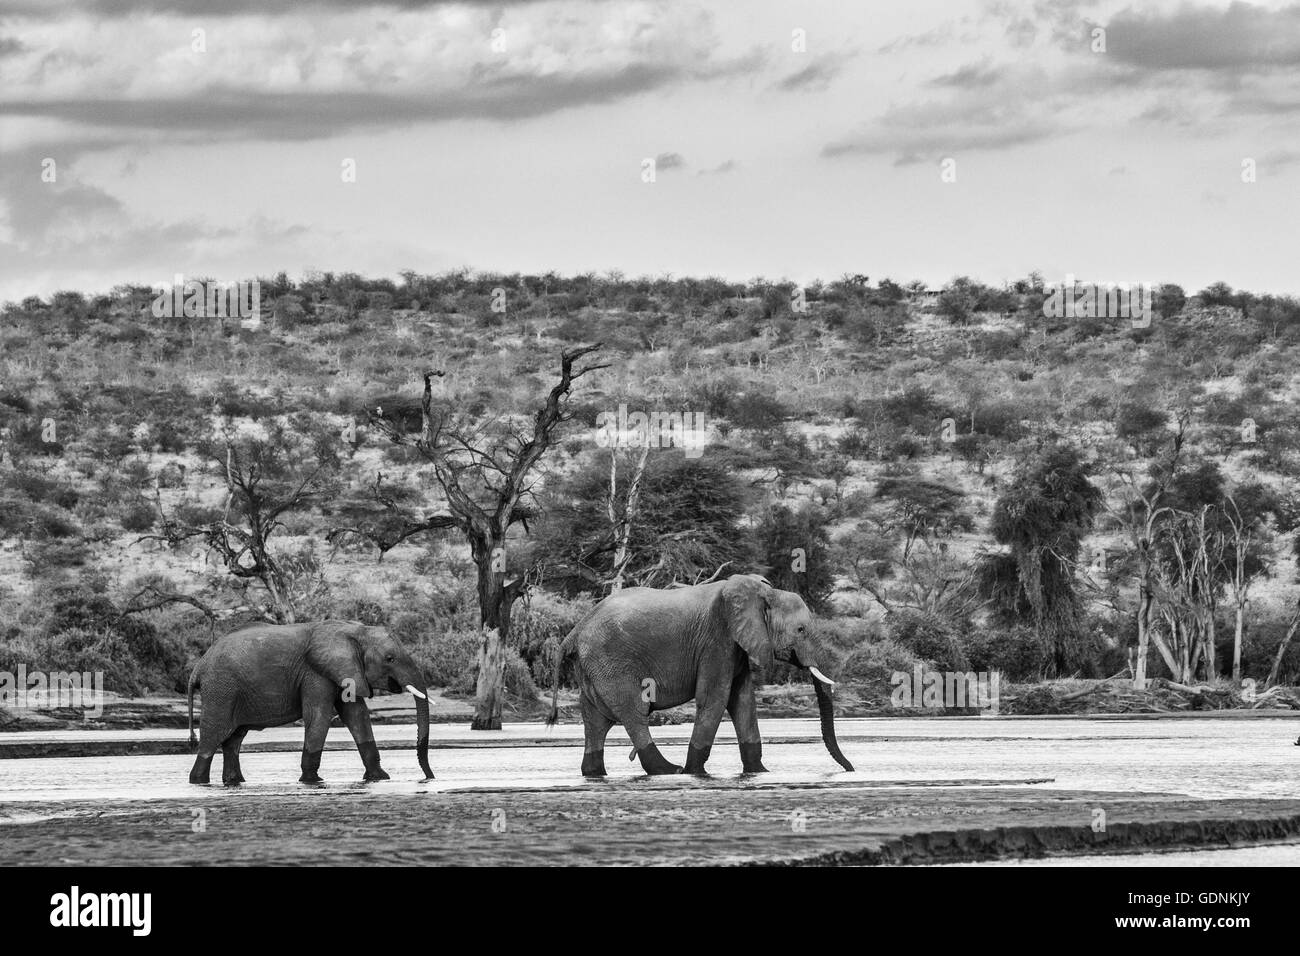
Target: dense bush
878, 661
929, 637
1015, 651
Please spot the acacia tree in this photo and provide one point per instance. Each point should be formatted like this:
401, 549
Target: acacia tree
901, 555
485, 476
677, 520
267, 478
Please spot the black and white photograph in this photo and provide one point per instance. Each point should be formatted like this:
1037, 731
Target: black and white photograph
654, 434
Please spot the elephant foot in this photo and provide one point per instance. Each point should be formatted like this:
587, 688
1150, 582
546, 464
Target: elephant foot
654, 763
377, 774
234, 781
201, 771
593, 764
751, 758
696, 757
310, 776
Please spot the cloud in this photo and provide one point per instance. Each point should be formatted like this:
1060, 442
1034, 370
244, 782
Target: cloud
727, 166
666, 161
53, 9
298, 78
1004, 112
310, 115
816, 76
937, 36
36, 210
1281, 159
974, 75
1241, 38
915, 141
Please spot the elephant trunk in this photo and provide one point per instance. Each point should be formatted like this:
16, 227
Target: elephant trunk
827, 711
422, 734
825, 706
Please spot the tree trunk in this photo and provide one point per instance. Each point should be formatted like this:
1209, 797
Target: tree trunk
1236, 644
1144, 636
1281, 650
494, 615
1211, 636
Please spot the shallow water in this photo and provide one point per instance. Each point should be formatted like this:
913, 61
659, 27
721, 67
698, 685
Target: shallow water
1205, 758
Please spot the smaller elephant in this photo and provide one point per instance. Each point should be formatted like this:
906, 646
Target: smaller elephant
268, 675
641, 650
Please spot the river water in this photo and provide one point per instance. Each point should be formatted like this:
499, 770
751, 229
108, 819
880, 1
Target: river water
1199, 757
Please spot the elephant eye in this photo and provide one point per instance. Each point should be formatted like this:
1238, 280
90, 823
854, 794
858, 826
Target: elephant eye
390, 658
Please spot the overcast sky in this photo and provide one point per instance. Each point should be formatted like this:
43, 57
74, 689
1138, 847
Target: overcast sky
511, 136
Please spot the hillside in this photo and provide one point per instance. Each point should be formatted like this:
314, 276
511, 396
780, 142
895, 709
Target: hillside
884, 433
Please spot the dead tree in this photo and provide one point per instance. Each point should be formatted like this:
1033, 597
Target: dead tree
622, 524
485, 483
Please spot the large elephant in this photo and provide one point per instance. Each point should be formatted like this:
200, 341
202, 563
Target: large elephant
268, 675
643, 649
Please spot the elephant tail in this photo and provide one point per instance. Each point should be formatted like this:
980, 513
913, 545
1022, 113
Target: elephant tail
194, 682
562, 651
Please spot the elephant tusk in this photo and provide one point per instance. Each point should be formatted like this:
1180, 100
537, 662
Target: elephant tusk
411, 690
821, 677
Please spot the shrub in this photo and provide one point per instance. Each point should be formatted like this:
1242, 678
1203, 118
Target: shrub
137, 517
758, 410
43, 558
1015, 651
929, 637
878, 661
446, 659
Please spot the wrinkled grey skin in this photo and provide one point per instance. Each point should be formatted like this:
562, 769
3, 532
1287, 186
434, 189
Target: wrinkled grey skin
643, 649
268, 675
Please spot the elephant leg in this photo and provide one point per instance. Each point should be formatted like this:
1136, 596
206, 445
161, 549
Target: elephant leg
316, 714
709, 707
595, 726
202, 770
230, 773
634, 719
356, 717
744, 717
213, 731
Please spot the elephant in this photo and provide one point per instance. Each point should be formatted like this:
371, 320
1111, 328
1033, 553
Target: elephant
268, 675
645, 649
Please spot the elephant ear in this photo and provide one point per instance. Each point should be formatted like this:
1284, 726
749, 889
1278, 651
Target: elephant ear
334, 650
746, 600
